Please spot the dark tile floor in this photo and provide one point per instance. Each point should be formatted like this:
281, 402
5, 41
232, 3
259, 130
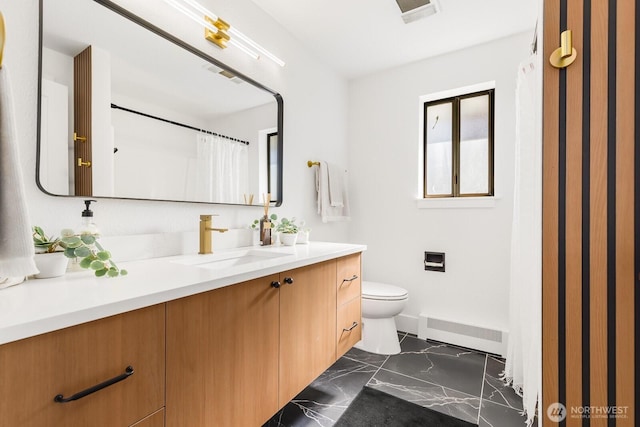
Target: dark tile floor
459, 382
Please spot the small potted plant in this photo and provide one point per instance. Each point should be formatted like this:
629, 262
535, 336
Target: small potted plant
90, 254
85, 248
49, 259
289, 231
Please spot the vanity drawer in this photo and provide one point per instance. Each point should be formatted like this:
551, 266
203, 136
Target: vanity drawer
348, 278
349, 326
75, 359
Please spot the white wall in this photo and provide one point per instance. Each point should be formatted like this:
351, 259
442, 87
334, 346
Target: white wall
315, 103
384, 147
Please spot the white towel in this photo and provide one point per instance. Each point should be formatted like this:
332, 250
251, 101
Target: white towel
335, 173
325, 209
16, 243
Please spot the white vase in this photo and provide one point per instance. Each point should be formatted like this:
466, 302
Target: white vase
303, 237
51, 264
288, 239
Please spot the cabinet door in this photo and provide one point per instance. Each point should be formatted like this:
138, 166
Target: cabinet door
222, 356
307, 326
71, 360
154, 420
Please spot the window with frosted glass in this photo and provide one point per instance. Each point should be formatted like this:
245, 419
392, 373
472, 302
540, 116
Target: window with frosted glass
439, 119
458, 135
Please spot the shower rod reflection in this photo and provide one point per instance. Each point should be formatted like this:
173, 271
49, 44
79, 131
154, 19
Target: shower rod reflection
128, 110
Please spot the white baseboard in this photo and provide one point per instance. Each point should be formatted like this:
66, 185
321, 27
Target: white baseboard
406, 323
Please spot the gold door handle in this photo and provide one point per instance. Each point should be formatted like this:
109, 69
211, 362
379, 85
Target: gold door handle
81, 163
564, 56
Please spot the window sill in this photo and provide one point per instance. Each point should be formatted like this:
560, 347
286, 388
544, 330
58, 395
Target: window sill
457, 202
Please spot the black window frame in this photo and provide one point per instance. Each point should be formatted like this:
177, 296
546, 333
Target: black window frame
272, 139
455, 144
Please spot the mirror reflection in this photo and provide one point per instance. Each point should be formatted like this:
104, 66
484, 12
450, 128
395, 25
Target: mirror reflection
131, 114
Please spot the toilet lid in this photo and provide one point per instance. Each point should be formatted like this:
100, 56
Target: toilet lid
382, 291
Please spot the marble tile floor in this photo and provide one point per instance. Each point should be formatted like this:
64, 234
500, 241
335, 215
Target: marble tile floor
460, 382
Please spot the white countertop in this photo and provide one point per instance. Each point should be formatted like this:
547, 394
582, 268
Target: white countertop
43, 305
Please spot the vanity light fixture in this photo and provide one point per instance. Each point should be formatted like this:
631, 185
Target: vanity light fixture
220, 32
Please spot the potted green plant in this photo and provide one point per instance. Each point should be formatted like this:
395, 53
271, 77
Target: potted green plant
90, 254
289, 231
84, 248
49, 259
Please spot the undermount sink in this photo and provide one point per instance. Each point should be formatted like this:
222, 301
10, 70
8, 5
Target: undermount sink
229, 259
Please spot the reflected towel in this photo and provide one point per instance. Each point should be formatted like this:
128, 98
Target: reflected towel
325, 209
16, 243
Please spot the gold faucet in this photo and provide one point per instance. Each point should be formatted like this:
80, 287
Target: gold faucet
205, 234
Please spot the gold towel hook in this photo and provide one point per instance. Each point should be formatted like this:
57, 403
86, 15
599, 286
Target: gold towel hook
81, 163
564, 56
79, 138
310, 163
2, 37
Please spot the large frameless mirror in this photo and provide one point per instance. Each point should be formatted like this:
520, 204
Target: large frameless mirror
128, 111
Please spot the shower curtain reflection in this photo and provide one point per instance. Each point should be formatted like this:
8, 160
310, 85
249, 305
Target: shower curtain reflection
222, 169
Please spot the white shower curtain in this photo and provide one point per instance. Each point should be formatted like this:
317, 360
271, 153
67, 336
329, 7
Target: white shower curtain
223, 169
523, 367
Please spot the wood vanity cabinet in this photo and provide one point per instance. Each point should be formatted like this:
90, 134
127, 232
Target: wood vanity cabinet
34, 370
307, 326
237, 354
222, 356
232, 356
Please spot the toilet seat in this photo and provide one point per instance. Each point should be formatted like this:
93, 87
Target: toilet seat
383, 292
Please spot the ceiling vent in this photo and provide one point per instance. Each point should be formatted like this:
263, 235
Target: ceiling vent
412, 10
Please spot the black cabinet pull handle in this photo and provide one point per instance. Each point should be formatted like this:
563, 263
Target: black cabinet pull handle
288, 280
351, 328
354, 277
127, 373
275, 284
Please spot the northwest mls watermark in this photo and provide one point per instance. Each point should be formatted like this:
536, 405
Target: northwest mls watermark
557, 412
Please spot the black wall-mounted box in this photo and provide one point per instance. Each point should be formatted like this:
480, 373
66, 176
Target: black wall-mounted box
434, 261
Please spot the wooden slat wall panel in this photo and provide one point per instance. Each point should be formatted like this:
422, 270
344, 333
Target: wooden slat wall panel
590, 234
550, 212
82, 121
598, 209
624, 269
574, 81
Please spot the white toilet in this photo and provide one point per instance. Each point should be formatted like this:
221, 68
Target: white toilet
380, 303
